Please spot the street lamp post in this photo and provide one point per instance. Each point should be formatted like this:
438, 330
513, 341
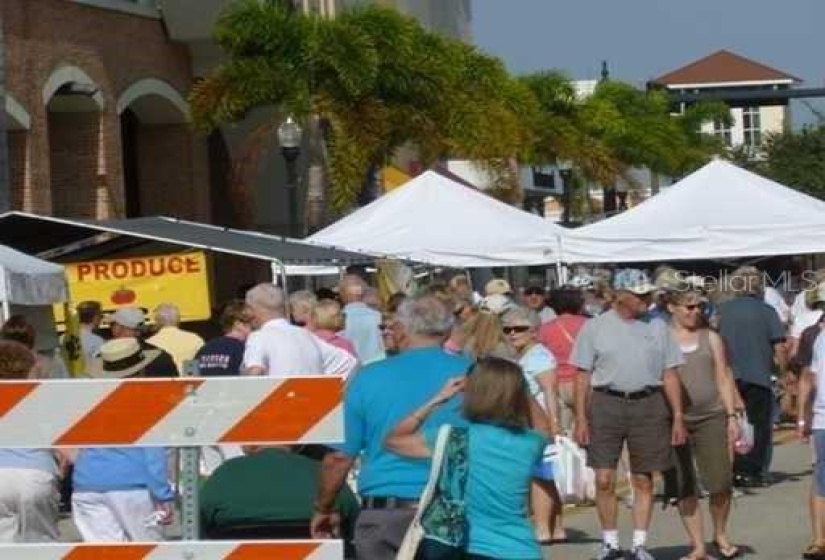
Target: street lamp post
566, 175
289, 137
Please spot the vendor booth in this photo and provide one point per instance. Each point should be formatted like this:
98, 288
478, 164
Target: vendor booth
435, 220
28, 281
147, 261
720, 211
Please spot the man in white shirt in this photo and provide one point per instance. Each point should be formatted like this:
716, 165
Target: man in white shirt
279, 348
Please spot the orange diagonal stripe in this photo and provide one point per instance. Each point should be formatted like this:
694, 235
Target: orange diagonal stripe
127, 413
110, 552
12, 393
267, 551
294, 407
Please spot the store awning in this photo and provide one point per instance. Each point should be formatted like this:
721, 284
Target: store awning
36, 234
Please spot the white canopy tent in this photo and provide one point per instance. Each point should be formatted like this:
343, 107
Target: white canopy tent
435, 220
26, 280
720, 211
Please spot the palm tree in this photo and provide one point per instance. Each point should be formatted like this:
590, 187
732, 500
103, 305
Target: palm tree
376, 80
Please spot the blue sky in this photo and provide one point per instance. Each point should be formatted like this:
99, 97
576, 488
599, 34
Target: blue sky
642, 39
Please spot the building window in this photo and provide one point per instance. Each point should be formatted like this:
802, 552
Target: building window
752, 127
723, 131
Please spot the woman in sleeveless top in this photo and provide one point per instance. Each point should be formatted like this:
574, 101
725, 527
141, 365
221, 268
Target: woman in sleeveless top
711, 421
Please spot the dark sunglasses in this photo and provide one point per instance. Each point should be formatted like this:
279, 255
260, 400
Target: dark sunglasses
515, 329
534, 292
693, 306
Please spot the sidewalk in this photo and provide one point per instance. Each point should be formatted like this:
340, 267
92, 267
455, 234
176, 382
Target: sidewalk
770, 523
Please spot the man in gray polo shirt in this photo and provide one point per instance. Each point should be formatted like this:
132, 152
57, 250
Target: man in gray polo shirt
628, 393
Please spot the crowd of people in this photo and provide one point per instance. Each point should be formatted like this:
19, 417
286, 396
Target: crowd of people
657, 380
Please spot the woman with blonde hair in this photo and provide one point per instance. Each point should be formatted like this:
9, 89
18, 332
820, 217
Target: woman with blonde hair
479, 336
502, 451
711, 419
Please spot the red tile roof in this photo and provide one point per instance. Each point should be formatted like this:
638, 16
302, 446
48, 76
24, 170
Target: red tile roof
723, 67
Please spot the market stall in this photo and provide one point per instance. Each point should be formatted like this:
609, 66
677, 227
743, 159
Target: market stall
435, 220
720, 211
26, 280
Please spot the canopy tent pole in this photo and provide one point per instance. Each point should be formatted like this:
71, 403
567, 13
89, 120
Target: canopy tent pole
4, 296
279, 276
561, 269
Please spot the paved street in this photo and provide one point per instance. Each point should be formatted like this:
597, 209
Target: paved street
771, 523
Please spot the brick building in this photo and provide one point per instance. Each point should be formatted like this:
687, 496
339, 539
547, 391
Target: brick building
98, 117
97, 113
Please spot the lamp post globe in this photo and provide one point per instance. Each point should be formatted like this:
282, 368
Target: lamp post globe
290, 136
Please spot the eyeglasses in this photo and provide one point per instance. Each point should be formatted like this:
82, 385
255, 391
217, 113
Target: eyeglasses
515, 329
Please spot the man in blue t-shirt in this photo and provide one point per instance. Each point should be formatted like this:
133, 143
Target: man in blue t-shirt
224, 355
378, 398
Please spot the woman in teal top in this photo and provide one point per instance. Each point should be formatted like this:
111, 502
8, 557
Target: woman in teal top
503, 451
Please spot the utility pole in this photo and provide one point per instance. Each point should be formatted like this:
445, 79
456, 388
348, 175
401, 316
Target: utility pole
5, 187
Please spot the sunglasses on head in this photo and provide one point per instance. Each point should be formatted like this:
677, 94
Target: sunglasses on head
515, 329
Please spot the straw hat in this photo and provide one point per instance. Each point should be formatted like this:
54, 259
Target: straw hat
121, 357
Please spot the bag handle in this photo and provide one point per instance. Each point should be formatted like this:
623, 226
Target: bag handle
566, 333
437, 461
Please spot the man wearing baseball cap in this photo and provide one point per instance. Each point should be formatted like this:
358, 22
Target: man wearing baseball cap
128, 322
628, 393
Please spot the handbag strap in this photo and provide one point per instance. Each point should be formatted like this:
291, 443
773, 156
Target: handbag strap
565, 332
436, 463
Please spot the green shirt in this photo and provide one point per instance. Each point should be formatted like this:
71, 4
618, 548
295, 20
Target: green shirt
266, 487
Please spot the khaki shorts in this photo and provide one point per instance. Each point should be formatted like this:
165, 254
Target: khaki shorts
705, 458
644, 424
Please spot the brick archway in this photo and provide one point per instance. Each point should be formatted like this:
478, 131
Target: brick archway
157, 149
77, 155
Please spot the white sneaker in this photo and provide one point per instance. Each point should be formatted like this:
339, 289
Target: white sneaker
607, 552
640, 553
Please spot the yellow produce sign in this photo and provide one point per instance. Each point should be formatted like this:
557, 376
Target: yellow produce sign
144, 282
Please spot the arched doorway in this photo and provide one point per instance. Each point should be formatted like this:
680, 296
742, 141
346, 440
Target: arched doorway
77, 160
157, 151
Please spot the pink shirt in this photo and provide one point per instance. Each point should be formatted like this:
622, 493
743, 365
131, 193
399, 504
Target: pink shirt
558, 336
336, 340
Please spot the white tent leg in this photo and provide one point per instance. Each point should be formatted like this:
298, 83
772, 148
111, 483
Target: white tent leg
4, 296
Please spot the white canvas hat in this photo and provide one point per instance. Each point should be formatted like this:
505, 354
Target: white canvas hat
121, 357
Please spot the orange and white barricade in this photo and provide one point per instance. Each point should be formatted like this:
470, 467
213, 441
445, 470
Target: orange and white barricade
181, 412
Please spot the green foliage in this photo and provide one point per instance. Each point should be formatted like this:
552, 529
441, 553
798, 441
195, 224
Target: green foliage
378, 78
380, 82
616, 128
797, 159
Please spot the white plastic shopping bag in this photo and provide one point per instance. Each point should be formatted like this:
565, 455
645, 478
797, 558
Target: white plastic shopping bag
575, 481
744, 444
